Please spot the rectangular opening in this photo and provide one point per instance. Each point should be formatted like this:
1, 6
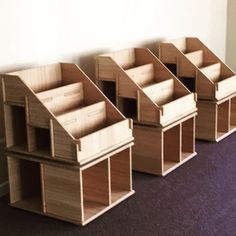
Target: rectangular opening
42, 141
223, 121
95, 189
120, 174
109, 89
25, 184
188, 138
172, 68
233, 113
172, 149
128, 107
16, 127
189, 82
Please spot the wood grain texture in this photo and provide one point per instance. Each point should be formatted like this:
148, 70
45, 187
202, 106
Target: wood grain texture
148, 81
214, 79
63, 192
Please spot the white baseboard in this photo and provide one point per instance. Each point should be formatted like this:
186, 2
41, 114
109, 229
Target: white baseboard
4, 188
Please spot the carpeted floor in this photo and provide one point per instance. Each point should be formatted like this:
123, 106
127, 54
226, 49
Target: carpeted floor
198, 198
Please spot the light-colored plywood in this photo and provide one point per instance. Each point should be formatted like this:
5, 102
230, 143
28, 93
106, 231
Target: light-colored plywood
214, 79
62, 192
150, 83
159, 151
121, 177
61, 100
70, 96
142, 75
72, 193
206, 123
195, 57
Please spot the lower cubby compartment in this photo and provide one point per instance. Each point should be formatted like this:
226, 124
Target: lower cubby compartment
95, 189
233, 113
121, 176
77, 194
159, 150
171, 147
25, 184
216, 119
188, 138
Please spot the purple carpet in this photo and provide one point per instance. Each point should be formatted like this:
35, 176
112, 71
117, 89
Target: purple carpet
198, 198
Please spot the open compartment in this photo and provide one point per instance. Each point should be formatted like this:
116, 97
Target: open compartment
25, 184
39, 141
233, 112
109, 89
223, 118
96, 196
172, 68
128, 107
121, 176
16, 129
188, 138
189, 82
160, 150
145, 89
214, 80
172, 147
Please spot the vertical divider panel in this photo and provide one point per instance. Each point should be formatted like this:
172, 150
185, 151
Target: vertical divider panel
43, 188
188, 136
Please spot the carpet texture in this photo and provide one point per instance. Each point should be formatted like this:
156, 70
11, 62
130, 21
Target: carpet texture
199, 198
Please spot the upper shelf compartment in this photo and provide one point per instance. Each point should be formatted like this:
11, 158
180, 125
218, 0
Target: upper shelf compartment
141, 79
62, 101
213, 80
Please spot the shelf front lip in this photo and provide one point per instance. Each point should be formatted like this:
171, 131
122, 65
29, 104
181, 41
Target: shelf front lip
171, 124
58, 161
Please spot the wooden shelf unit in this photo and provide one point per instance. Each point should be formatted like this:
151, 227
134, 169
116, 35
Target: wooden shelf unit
159, 151
143, 88
201, 71
216, 119
56, 111
77, 194
211, 77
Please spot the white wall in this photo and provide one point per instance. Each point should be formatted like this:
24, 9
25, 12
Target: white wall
39, 32
231, 35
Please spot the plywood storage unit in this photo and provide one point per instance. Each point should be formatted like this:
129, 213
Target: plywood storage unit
210, 77
77, 194
56, 112
216, 120
163, 109
213, 81
68, 147
143, 88
159, 151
